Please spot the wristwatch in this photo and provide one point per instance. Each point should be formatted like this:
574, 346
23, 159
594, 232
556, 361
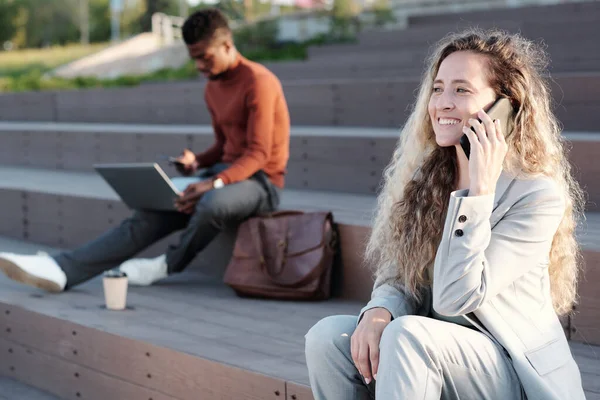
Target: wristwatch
218, 183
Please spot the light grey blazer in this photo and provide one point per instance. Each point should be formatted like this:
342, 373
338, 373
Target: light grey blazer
492, 267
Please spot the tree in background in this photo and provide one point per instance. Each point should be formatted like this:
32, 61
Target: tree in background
344, 19
44, 23
383, 12
133, 13
233, 9
7, 26
131, 17
99, 20
169, 7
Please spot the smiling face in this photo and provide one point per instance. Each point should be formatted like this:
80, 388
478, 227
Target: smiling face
460, 89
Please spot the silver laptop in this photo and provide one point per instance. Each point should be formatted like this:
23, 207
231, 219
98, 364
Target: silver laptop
142, 186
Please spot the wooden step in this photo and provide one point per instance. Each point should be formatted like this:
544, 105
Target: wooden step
374, 102
11, 389
321, 158
573, 11
570, 47
67, 209
187, 337
332, 159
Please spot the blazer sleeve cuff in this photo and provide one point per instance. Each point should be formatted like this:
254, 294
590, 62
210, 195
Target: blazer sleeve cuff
470, 207
387, 297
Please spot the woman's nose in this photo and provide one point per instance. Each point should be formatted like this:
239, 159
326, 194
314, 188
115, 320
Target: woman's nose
444, 102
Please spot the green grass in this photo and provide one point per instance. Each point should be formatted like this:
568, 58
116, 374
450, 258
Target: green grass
24, 70
35, 81
23, 62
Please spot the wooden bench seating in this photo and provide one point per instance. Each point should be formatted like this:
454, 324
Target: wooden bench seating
188, 337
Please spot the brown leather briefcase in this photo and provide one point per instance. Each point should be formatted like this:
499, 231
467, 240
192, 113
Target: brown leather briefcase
284, 255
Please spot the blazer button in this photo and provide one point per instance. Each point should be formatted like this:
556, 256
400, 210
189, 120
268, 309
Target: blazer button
462, 218
458, 232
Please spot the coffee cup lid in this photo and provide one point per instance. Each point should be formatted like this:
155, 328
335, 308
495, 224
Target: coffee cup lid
114, 273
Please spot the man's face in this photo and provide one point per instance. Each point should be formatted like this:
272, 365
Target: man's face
212, 56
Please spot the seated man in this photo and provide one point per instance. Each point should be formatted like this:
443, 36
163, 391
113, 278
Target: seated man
244, 173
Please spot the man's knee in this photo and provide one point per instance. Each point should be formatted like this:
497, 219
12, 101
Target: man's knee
209, 206
218, 205
145, 215
329, 336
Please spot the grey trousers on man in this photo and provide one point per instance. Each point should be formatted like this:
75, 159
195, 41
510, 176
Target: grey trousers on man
421, 358
215, 211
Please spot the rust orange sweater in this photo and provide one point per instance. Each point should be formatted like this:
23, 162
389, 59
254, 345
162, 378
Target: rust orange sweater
251, 123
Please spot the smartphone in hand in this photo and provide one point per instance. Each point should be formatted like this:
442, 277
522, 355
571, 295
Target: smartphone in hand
501, 110
176, 161
172, 160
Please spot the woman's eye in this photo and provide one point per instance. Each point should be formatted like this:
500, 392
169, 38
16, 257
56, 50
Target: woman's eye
461, 90
437, 90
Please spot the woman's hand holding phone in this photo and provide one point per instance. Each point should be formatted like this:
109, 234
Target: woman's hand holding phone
501, 110
488, 150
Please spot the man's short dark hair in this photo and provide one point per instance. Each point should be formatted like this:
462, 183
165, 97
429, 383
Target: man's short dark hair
204, 24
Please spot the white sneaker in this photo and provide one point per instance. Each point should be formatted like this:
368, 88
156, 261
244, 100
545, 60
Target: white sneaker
40, 271
145, 271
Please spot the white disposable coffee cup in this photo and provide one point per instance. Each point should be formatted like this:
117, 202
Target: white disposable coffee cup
115, 289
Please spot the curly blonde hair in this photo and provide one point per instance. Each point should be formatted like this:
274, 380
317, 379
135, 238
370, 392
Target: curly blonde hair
421, 175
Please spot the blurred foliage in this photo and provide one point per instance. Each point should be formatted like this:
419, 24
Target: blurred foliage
20, 62
47, 30
46, 23
383, 13
31, 77
7, 20
261, 35
345, 23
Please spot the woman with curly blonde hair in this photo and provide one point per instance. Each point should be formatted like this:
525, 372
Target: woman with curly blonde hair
475, 256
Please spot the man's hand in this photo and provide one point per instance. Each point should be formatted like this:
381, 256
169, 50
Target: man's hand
186, 163
364, 343
187, 202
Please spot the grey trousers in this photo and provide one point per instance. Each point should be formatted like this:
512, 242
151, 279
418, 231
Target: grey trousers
420, 358
215, 211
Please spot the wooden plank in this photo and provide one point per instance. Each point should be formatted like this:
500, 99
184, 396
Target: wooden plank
354, 278
592, 396
246, 342
31, 106
11, 148
65, 379
588, 360
168, 304
298, 392
15, 390
12, 213
42, 150
586, 320
152, 146
211, 330
589, 365
159, 368
530, 13
91, 185
583, 157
